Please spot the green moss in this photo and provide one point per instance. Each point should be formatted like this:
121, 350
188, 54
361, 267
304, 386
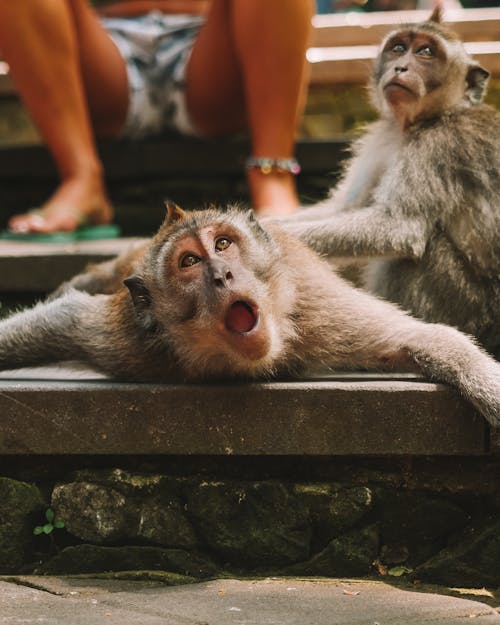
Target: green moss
419, 521
351, 554
333, 509
473, 561
109, 507
167, 578
250, 524
21, 507
97, 559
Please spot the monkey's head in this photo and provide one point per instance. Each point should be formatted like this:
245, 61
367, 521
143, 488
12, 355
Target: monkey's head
423, 70
208, 288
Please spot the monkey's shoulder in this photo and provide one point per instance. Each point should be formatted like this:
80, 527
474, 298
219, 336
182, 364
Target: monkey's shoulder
462, 126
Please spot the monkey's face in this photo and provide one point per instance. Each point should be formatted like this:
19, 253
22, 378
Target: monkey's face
420, 73
411, 66
213, 296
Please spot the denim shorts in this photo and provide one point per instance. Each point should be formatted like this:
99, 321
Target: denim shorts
156, 48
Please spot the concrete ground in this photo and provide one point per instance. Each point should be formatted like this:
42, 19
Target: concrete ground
79, 601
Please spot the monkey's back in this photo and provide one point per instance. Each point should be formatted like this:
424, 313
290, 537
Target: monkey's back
457, 279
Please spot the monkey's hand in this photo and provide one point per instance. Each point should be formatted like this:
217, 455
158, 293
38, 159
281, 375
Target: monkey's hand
486, 394
445, 354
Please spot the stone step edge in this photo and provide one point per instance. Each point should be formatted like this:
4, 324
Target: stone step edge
350, 414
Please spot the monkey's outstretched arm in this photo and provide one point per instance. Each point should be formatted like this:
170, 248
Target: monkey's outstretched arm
446, 355
383, 336
49, 332
370, 231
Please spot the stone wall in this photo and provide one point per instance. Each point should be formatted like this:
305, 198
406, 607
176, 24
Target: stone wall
435, 520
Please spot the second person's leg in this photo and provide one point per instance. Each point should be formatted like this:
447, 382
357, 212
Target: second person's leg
248, 67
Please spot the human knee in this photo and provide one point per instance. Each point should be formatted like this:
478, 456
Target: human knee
285, 17
278, 28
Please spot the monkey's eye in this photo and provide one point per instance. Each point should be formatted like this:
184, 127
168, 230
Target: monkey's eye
399, 48
425, 51
222, 244
188, 260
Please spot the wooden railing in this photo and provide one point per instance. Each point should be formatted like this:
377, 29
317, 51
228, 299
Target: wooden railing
344, 44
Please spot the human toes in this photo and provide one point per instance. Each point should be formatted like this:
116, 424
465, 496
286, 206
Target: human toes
28, 222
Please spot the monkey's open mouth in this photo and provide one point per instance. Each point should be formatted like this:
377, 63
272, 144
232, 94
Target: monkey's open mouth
241, 317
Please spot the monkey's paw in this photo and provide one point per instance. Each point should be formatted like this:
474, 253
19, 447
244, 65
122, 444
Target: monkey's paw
486, 396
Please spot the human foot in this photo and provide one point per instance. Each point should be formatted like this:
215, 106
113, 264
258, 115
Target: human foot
73, 204
273, 194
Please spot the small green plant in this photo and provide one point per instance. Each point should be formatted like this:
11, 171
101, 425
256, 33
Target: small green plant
51, 524
397, 571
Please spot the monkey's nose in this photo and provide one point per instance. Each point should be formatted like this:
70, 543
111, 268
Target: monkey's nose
400, 69
222, 278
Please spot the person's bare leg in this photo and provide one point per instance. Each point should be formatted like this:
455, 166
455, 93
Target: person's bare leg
60, 59
248, 66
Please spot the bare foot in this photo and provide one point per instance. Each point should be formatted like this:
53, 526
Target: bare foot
74, 203
273, 194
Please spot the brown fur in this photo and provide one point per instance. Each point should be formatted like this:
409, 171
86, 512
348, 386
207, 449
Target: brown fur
180, 315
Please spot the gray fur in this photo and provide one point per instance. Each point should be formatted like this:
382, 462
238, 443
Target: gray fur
309, 318
422, 203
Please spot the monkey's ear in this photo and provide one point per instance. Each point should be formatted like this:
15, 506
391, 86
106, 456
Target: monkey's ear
437, 14
174, 213
256, 226
141, 299
477, 81
251, 217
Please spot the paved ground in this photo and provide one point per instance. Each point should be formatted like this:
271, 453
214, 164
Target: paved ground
71, 601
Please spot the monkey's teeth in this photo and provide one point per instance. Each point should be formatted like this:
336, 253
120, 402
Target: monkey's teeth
240, 318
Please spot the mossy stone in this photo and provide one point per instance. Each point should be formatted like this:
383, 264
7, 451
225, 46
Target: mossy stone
474, 561
167, 578
21, 508
129, 483
124, 508
333, 510
250, 524
419, 521
99, 559
351, 554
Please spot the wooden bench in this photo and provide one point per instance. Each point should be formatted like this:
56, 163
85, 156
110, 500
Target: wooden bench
344, 44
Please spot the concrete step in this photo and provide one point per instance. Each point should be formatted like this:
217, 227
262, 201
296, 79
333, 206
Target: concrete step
63, 411
41, 267
165, 156
140, 175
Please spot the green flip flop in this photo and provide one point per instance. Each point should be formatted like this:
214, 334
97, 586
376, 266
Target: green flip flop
82, 233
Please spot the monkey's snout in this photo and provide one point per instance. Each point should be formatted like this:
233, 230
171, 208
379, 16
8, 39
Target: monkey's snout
223, 279
241, 317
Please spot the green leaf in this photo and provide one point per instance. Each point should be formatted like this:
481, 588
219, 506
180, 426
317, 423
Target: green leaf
49, 515
38, 530
397, 571
48, 528
59, 524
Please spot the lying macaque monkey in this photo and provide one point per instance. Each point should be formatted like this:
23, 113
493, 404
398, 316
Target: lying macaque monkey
214, 295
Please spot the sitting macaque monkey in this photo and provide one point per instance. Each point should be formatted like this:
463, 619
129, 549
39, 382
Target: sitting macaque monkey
420, 198
214, 295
